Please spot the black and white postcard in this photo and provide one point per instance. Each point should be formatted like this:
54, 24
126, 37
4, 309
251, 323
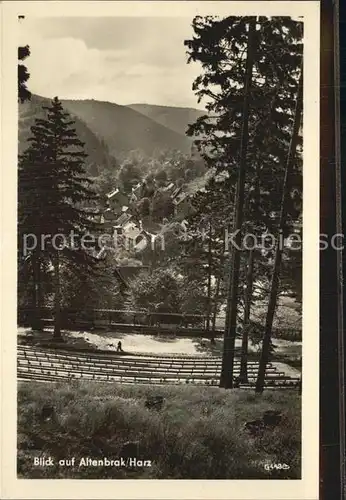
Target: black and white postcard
160, 259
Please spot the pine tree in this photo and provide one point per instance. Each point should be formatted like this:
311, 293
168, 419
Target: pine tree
279, 251
53, 189
232, 301
220, 45
246, 322
23, 75
202, 248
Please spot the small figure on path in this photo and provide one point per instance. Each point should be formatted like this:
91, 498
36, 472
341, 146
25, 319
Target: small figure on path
120, 347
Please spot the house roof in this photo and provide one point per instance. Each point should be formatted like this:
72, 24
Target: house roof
169, 187
176, 192
127, 273
137, 186
112, 193
147, 233
133, 232
96, 218
93, 210
101, 253
123, 219
131, 226
178, 199
109, 214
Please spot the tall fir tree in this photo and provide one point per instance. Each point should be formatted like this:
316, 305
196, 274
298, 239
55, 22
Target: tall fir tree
53, 189
221, 46
226, 379
278, 250
201, 257
24, 93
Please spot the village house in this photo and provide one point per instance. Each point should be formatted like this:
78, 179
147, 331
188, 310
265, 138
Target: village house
114, 221
109, 218
121, 221
176, 192
182, 204
115, 200
136, 192
135, 237
95, 215
114, 216
125, 274
169, 188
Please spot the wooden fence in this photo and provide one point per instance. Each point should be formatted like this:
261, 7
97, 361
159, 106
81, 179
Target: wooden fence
139, 320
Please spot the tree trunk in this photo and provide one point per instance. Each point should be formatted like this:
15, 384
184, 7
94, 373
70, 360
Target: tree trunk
209, 280
33, 314
278, 250
57, 312
39, 295
36, 322
249, 289
246, 323
226, 379
216, 296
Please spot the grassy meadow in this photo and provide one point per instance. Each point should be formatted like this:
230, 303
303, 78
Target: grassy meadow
198, 433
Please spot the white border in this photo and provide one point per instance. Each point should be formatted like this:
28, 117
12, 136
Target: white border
307, 488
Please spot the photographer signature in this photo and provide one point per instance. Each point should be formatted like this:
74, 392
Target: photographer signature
276, 466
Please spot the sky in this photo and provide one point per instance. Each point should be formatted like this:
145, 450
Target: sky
124, 60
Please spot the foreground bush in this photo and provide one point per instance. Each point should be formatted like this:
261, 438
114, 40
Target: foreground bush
198, 432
